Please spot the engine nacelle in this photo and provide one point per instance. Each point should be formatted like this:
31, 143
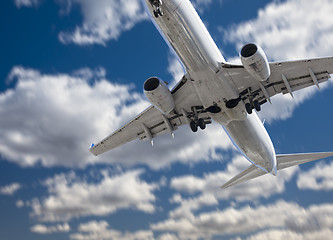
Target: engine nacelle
159, 95
255, 61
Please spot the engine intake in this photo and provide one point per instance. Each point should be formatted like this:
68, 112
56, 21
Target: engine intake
255, 61
159, 95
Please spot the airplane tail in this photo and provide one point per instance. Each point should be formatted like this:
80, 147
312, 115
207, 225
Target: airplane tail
283, 161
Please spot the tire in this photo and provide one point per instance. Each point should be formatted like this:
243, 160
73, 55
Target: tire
156, 13
160, 12
257, 105
202, 123
248, 107
194, 126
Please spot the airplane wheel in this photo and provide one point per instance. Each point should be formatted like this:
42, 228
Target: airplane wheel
257, 105
202, 123
248, 107
156, 13
160, 12
194, 126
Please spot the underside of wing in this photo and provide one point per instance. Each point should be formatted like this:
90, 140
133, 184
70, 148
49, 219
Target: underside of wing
286, 77
152, 123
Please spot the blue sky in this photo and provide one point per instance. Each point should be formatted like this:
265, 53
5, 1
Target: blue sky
72, 72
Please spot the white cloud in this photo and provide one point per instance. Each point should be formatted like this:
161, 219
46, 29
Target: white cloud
317, 178
283, 106
176, 69
10, 189
26, 3
168, 236
100, 231
281, 215
19, 203
280, 31
187, 206
71, 197
42, 229
210, 183
103, 20
52, 119
287, 234
201, 5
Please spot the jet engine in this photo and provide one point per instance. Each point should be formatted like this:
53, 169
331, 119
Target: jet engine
159, 95
255, 62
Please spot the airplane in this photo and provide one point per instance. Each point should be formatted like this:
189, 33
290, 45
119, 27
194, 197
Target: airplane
215, 90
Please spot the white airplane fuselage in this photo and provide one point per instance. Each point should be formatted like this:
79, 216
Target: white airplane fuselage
184, 31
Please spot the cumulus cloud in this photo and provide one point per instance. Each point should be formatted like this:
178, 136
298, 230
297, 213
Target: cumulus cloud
42, 229
317, 178
176, 70
103, 20
51, 119
95, 230
286, 216
280, 31
287, 234
10, 189
210, 183
187, 206
26, 3
70, 196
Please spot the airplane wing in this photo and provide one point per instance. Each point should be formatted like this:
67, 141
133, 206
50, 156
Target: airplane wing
283, 161
286, 77
152, 123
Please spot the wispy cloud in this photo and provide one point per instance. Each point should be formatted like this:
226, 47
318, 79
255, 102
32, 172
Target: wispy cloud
26, 3
43, 229
10, 189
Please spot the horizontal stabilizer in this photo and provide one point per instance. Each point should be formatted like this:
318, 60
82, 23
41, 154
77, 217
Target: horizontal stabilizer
283, 161
289, 160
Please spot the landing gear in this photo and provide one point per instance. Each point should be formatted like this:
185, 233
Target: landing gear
247, 96
194, 126
256, 105
158, 12
248, 108
252, 105
157, 8
193, 120
201, 123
